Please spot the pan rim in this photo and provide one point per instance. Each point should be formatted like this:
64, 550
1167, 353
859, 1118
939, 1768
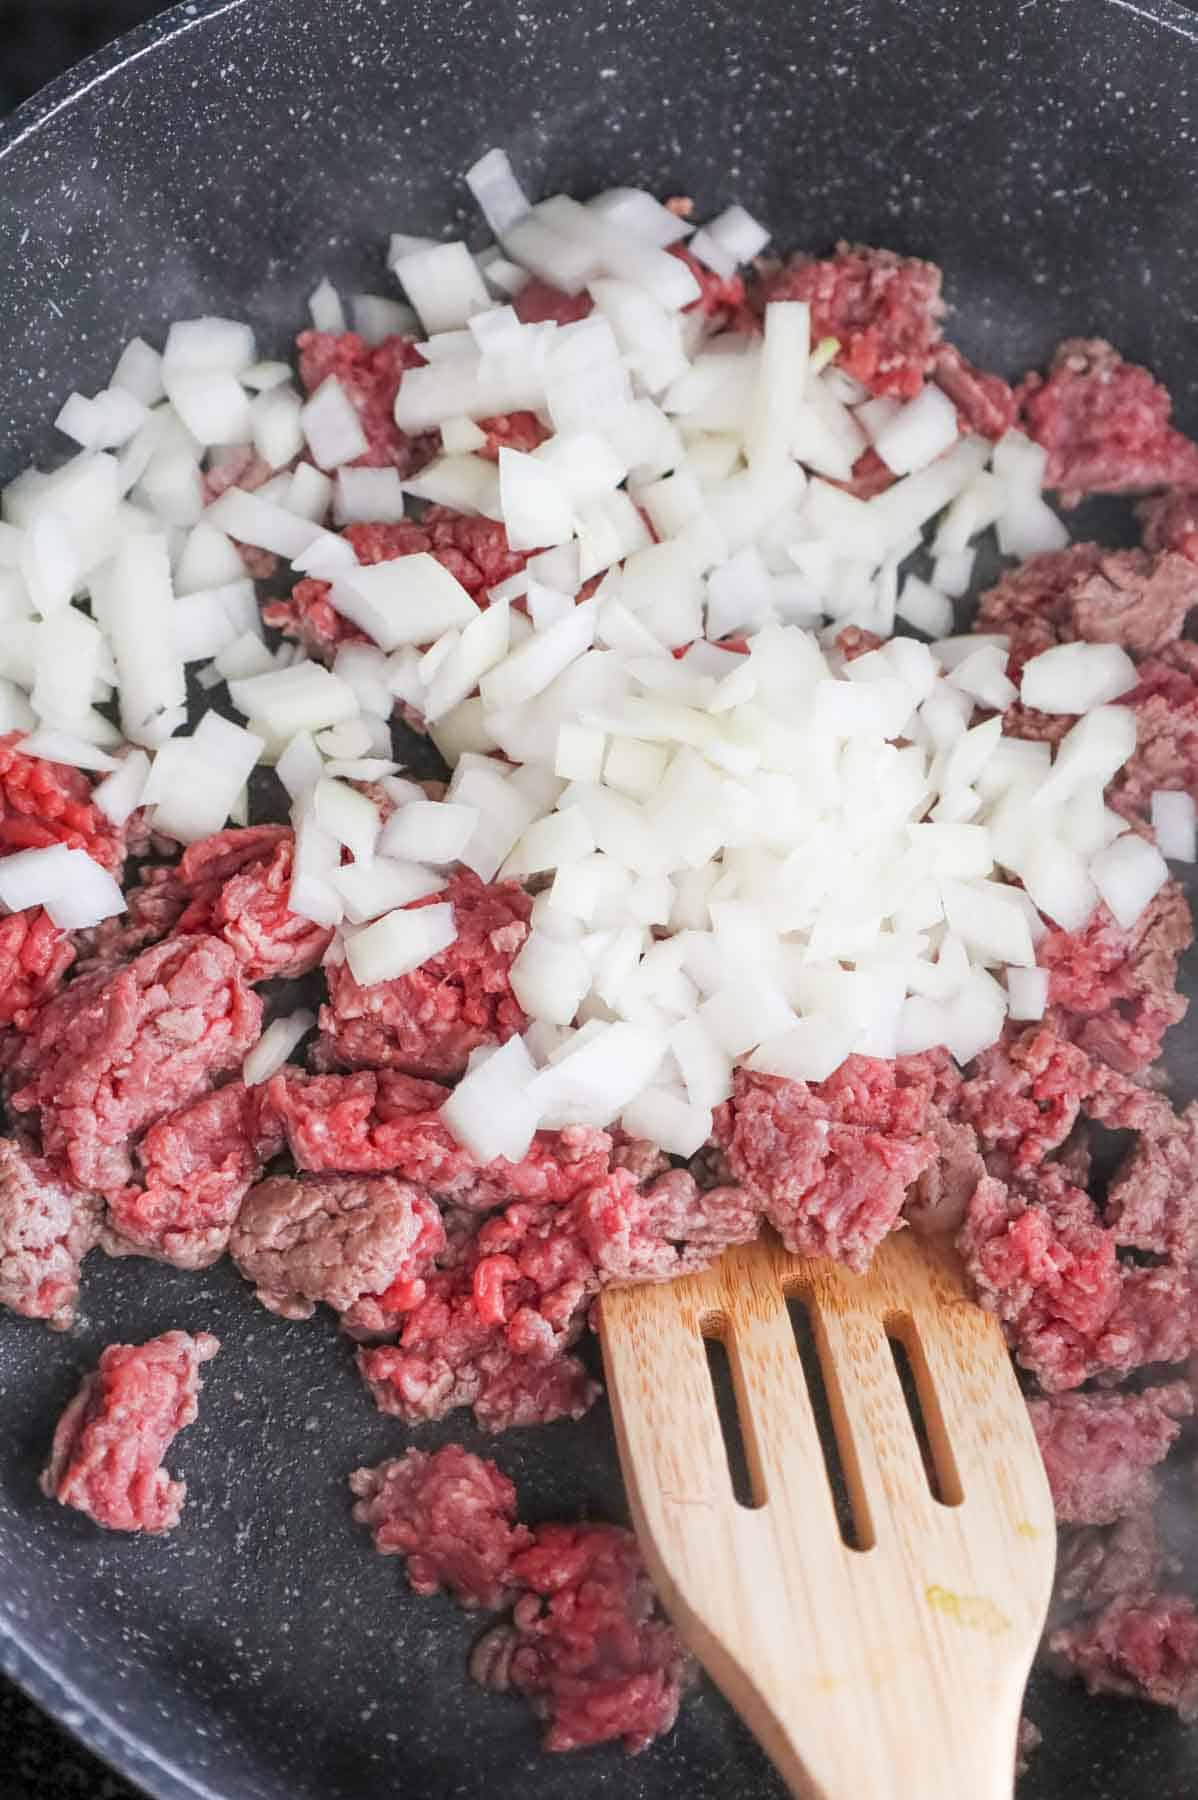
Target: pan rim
86, 1721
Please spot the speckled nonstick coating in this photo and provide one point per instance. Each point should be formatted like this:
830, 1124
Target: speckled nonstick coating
216, 161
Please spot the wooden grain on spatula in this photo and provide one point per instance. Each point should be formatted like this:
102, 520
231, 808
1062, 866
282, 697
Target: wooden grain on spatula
890, 1671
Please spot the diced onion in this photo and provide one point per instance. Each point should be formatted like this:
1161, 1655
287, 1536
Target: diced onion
274, 1047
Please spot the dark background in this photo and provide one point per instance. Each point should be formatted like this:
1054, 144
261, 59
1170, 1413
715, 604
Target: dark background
38, 40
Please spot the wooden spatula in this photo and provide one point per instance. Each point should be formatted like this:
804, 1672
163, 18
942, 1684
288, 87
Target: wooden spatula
889, 1671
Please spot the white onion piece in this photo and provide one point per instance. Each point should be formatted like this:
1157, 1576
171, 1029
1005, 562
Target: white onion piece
209, 559
208, 346
75, 890
409, 600
246, 655
597, 1075
1027, 993
259, 522
668, 1119
368, 495
987, 922
369, 890
309, 496
399, 942
811, 1049
213, 406
133, 602
316, 863
1092, 750
61, 747
491, 1112
348, 816
209, 621
332, 427
274, 1047
120, 794
743, 1016
919, 432
276, 427
550, 978
139, 372
15, 710
613, 252
428, 831
443, 284
529, 670
261, 376
1128, 874
1059, 883
324, 304
500, 197
632, 210
1173, 820
376, 317
304, 697
925, 607
1073, 678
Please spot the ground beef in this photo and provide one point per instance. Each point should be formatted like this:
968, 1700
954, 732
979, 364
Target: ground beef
337, 1238
110, 1442
428, 1022
239, 881
474, 550
493, 1330
44, 803
197, 1166
942, 1193
586, 1644
870, 477
1147, 1650
829, 1163
233, 885
1152, 1202
116, 1051
1170, 522
1105, 424
47, 1227
1099, 1450
538, 303
447, 1358
1099, 1564
1131, 597
511, 431
1114, 991
885, 311
1028, 1090
388, 1123
667, 1228
1071, 1310
452, 1515
721, 297
1166, 753
985, 403
855, 641
34, 957
370, 375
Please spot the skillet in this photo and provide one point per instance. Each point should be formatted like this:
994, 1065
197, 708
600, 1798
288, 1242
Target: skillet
219, 160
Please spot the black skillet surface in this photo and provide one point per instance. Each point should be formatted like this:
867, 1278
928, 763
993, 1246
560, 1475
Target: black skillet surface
219, 160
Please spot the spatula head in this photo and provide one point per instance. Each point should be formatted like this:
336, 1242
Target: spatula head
880, 1653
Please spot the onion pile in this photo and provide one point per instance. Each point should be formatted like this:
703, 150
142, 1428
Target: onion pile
744, 847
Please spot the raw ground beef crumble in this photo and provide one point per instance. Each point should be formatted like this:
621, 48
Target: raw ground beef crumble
428, 1022
471, 1285
452, 1515
108, 1449
585, 1642
47, 1227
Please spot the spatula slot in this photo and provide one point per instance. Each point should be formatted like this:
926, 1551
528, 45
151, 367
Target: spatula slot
748, 1486
919, 1391
831, 1419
